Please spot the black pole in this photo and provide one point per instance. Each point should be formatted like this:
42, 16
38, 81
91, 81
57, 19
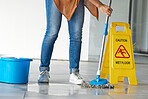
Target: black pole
130, 12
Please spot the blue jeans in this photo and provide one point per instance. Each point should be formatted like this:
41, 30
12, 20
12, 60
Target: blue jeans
54, 18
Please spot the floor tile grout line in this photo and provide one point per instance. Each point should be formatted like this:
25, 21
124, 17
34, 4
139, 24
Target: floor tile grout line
110, 96
24, 95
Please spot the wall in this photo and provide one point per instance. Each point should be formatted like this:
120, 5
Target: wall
120, 14
22, 28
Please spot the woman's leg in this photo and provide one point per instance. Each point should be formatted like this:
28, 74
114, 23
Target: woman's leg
54, 18
75, 33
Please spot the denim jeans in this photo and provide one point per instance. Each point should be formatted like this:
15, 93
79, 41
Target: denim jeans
75, 24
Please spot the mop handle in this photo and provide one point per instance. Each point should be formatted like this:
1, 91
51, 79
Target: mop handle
106, 22
103, 43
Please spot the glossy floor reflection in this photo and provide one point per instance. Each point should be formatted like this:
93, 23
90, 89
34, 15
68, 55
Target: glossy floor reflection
59, 86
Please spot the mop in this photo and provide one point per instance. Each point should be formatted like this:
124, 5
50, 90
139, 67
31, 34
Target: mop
98, 82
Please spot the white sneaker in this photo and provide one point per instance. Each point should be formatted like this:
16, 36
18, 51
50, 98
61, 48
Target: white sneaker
76, 78
44, 77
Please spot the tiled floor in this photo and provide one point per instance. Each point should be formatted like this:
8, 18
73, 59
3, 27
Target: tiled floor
60, 88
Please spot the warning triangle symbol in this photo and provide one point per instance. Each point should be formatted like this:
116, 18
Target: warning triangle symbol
122, 52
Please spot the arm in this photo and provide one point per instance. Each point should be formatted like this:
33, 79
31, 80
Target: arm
104, 8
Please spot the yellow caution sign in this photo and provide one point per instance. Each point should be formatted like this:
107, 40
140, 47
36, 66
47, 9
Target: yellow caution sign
118, 59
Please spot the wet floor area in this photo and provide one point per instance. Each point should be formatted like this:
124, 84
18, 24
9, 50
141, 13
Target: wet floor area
60, 88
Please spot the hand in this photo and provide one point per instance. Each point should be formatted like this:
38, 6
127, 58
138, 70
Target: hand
106, 9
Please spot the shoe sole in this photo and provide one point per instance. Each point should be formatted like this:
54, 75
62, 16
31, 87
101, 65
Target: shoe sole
43, 81
77, 83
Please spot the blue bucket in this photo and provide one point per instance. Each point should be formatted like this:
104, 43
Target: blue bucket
14, 70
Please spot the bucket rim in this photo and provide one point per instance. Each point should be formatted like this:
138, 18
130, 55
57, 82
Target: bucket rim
14, 59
